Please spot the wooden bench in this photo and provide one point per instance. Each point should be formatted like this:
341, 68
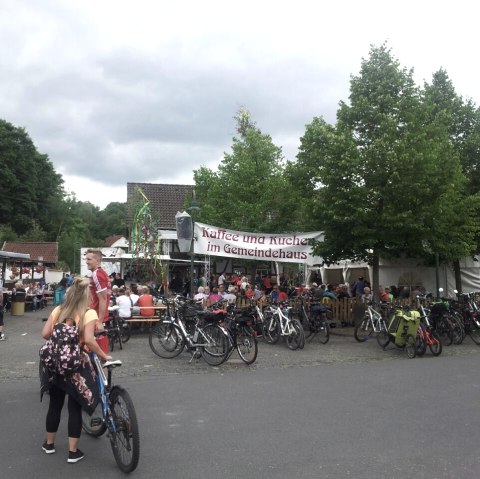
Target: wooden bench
142, 319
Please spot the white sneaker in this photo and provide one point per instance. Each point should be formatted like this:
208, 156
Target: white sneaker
2, 337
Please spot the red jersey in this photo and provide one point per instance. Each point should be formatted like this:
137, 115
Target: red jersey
99, 282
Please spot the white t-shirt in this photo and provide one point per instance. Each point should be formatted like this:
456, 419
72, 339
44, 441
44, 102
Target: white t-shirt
124, 304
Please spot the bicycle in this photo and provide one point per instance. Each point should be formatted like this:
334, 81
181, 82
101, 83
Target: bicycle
372, 322
280, 324
239, 325
200, 334
470, 317
116, 415
426, 336
116, 328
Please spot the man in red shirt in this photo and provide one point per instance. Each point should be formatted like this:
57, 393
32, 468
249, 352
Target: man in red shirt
100, 291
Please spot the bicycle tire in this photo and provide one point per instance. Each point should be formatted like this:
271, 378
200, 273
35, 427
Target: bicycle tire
271, 330
421, 342
111, 340
474, 332
295, 338
125, 440
217, 349
166, 340
458, 333
97, 429
435, 344
444, 332
323, 332
247, 344
411, 346
363, 330
126, 330
383, 339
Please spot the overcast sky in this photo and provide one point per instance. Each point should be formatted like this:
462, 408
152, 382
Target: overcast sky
146, 91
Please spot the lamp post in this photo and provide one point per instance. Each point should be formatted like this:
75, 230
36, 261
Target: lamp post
185, 225
194, 208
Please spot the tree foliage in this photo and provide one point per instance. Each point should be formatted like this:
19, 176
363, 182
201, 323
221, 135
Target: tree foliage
385, 180
247, 193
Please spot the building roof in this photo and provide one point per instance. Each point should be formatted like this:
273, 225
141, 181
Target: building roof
36, 249
117, 241
165, 201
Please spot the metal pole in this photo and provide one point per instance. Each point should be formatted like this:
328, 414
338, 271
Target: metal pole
437, 274
192, 264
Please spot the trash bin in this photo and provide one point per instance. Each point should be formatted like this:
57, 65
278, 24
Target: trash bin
18, 304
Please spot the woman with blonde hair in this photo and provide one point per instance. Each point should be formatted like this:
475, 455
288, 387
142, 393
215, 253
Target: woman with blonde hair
74, 311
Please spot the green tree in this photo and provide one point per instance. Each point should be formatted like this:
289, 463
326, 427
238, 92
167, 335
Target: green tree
384, 178
28, 180
248, 191
461, 120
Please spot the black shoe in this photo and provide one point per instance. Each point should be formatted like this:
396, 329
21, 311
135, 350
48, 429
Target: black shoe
76, 456
48, 448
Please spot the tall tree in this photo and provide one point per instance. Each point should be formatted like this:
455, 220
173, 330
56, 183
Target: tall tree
248, 191
461, 119
385, 175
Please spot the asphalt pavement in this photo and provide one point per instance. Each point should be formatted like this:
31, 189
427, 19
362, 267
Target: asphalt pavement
338, 410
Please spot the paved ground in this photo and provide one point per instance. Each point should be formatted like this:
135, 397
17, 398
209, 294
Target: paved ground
341, 410
23, 342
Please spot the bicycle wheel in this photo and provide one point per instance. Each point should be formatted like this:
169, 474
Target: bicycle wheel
321, 331
411, 346
125, 440
456, 325
421, 341
435, 344
444, 332
111, 340
474, 332
166, 340
94, 425
271, 330
383, 339
216, 342
125, 330
363, 330
247, 344
296, 337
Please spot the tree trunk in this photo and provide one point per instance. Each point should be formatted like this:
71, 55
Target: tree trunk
458, 275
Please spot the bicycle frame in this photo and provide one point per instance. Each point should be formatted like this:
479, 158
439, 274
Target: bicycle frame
376, 320
286, 328
104, 385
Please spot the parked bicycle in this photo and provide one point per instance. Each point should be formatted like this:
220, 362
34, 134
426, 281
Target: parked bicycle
373, 323
115, 414
470, 315
117, 329
239, 324
426, 336
315, 322
279, 324
198, 332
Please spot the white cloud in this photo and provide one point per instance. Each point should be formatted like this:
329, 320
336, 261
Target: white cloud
118, 92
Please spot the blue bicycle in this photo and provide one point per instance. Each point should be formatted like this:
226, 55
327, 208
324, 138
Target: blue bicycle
115, 413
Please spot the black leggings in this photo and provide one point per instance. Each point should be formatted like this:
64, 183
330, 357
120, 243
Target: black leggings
57, 398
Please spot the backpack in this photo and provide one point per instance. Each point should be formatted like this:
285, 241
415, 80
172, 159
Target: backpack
61, 353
